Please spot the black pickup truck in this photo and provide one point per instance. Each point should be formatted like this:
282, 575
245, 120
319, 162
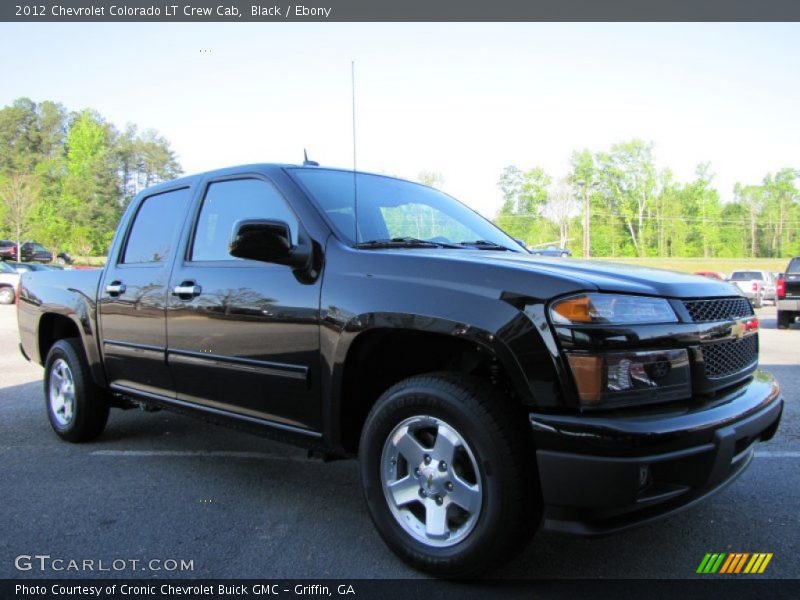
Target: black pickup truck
484, 391
788, 294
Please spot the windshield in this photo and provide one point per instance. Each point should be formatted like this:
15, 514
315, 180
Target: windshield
794, 266
393, 209
745, 275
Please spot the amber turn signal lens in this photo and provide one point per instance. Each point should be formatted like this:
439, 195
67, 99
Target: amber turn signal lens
588, 374
575, 310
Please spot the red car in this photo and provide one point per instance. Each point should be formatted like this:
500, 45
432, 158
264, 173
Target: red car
8, 250
712, 275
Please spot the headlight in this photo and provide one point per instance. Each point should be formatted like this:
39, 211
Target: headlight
611, 309
635, 377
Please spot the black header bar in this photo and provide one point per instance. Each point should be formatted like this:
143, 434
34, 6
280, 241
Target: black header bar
393, 10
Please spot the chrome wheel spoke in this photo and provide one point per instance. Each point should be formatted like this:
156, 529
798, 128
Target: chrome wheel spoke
57, 378
465, 495
409, 447
446, 443
435, 519
404, 490
58, 405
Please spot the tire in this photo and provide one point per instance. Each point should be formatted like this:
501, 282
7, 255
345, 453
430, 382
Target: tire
483, 474
564, 254
785, 318
76, 407
7, 295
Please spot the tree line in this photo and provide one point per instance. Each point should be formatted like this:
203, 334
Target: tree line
67, 176
619, 203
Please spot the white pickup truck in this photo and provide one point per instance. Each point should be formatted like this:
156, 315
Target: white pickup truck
756, 286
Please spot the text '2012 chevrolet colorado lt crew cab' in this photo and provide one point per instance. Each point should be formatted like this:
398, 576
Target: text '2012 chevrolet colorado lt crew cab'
484, 391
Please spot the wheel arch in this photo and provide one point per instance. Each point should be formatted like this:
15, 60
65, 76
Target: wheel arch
369, 344
55, 326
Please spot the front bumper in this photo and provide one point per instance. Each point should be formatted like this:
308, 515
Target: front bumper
601, 474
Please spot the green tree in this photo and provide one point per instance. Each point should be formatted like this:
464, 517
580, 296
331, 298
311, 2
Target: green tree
17, 196
431, 178
583, 179
628, 180
525, 194
780, 204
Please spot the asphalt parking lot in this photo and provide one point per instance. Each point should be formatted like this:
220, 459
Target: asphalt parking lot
166, 487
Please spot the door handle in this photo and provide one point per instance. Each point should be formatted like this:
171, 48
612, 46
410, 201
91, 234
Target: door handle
187, 289
115, 288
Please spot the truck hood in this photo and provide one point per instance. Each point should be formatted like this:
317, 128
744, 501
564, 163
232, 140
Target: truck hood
535, 275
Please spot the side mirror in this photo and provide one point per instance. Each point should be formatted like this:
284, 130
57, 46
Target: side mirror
269, 241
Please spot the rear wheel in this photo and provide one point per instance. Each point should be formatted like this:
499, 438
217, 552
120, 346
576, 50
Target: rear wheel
449, 474
6, 295
76, 407
785, 318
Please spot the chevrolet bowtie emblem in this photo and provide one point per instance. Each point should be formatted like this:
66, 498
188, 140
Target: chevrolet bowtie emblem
738, 330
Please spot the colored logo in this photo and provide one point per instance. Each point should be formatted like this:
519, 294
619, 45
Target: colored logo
736, 562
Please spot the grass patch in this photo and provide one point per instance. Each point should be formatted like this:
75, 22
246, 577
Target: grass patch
690, 265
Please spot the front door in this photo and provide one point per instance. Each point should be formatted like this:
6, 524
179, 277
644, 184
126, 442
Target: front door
133, 293
243, 336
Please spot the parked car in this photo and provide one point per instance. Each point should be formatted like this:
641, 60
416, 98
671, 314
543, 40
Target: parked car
21, 267
756, 286
9, 283
789, 294
483, 390
712, 275
33, 251
63, 259
550, 251
8, 250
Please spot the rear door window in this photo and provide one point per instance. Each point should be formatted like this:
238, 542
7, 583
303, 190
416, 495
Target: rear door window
155, 227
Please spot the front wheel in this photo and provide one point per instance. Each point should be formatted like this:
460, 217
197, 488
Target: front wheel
76, 406
449, 475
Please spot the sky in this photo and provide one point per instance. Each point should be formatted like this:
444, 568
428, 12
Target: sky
463, 100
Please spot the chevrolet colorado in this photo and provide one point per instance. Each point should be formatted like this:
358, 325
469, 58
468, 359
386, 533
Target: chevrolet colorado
484, 391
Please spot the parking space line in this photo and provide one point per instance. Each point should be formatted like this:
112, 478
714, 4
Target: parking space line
267, 456
778, 454
198, 453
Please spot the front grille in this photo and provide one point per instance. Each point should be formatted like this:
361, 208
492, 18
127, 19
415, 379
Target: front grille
718, 309
726, 358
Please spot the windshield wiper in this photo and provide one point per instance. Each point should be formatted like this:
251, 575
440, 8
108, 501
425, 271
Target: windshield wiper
404, 242
484, 245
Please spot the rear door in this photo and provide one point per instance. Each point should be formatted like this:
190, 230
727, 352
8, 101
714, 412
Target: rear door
133, 293
243, 335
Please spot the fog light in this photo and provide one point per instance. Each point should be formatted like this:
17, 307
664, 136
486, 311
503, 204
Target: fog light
629, 377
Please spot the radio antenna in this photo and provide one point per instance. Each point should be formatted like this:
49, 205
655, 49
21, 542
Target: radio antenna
355, 177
